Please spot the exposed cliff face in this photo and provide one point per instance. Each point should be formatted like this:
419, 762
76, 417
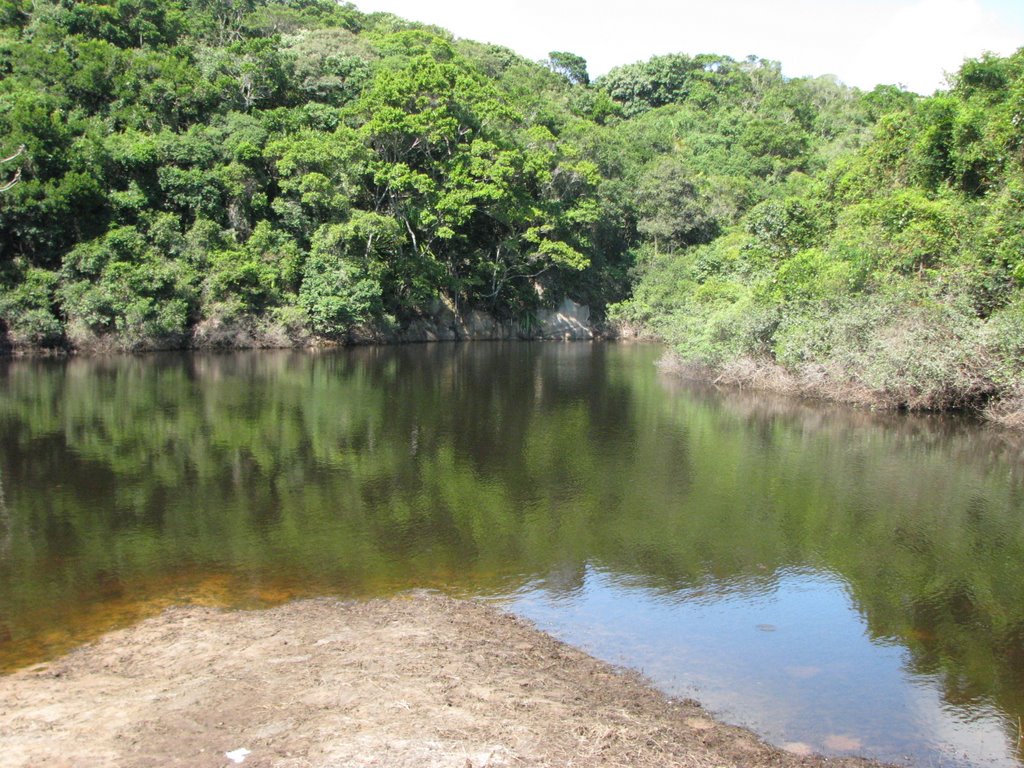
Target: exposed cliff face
569, 321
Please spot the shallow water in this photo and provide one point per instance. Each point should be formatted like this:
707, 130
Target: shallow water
839, 580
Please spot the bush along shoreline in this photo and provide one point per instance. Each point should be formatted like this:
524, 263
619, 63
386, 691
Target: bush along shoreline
819, 382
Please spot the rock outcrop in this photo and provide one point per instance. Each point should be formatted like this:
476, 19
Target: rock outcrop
569, 321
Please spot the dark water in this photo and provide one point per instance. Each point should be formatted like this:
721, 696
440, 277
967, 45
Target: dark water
837, 579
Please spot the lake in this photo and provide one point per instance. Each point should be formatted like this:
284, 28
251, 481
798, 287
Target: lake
836, 579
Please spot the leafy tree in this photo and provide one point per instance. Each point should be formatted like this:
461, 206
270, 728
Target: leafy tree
29, 310
128, 23
571, 66
330, 65
119, 285
319, 174
672, 212
340, 286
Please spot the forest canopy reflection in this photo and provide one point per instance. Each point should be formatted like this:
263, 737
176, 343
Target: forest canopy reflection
250, 478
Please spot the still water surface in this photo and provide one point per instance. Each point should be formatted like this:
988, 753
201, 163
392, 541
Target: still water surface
835, 579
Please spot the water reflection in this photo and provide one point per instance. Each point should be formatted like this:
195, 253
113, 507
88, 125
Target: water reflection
755, 533
789, 656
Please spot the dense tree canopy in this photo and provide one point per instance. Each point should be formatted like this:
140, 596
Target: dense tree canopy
295, 164
884, 266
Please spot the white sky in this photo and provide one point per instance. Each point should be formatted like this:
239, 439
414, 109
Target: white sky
863, 42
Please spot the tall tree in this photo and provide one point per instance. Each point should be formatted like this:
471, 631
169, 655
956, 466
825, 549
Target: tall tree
571, 66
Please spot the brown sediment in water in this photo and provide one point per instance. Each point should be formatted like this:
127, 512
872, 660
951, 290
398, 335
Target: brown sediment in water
419, 680
47, 629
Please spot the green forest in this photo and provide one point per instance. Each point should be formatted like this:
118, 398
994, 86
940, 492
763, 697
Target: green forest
291, 172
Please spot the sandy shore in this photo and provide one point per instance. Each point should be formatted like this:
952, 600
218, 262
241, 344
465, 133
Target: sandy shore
421, 680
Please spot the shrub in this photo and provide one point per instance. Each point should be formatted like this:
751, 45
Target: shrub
28, 310
906, 351
118, 285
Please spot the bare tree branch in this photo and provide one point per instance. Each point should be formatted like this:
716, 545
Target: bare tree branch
17, 175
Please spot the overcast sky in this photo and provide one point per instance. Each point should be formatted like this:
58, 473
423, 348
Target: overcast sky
862, 42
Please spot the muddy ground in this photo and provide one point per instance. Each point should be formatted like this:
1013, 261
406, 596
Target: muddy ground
421, 680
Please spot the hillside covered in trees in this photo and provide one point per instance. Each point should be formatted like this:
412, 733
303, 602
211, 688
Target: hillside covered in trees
296, 170
890, 276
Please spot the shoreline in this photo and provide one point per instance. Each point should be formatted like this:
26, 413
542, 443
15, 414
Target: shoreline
568, 321
816, 383
415, 680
